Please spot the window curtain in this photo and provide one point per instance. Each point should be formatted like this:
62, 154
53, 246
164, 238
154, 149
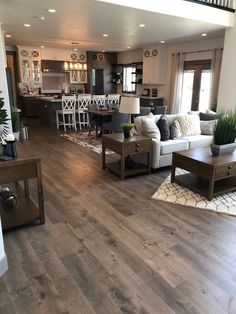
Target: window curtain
176, 83
217, 55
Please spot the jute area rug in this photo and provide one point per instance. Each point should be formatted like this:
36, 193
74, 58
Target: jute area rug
175, 193
89, 141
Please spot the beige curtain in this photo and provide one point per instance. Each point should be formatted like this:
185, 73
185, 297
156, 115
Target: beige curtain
176, 82
215, 77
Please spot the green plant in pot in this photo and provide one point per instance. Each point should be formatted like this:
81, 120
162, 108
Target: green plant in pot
3, 120
126, 129
224, 134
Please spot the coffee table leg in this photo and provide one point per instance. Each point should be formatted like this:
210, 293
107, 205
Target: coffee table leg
210, 189
103, 156
122, 167
172, 173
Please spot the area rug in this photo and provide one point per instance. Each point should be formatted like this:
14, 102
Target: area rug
175, 193
89, 141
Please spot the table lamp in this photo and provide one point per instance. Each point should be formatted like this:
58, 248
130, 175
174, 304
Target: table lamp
130, 105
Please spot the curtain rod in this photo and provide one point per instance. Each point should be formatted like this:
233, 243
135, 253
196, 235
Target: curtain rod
206, 50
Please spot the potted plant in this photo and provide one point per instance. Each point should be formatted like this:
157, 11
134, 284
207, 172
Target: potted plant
224, 134
3, 120
126, 129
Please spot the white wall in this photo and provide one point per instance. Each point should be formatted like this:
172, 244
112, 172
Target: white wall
227, 89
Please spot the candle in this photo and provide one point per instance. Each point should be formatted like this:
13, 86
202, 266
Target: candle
10, 137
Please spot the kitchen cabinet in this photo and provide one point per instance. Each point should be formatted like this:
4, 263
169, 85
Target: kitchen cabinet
78, 76
30, 65
155, 65
63, 54
29, 106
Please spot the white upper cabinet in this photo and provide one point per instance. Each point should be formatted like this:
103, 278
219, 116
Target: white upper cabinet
30, 65
62, 54
155, 65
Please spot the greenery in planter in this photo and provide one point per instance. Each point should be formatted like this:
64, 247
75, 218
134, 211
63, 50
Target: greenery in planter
225, 129
126, 127
15, 119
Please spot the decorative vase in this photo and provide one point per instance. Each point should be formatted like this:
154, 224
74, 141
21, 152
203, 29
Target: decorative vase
222, 149
126, 134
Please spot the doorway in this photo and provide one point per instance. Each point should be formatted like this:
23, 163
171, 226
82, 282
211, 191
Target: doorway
97, 81
12, 77
196, 86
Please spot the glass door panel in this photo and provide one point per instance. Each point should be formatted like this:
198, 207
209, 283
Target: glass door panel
187, 92
25, 71
36, 71
204, 90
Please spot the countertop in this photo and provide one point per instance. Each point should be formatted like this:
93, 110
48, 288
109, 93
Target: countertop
50, 99
32, 96
141, 96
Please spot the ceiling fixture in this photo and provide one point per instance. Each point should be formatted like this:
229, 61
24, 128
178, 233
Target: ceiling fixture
52, 10
128, 47
142, 25
41, 18
41, 46
75, 49
204, 34
103, 50
8, 36
162, 41
27, 25
105, 35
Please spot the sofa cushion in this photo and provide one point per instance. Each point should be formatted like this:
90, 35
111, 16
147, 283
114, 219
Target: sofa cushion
208, 116
163, 126
190, 124
198, 141
150, 129
171, 146
207, 127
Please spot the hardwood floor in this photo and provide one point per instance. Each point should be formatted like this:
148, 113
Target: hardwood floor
107, 247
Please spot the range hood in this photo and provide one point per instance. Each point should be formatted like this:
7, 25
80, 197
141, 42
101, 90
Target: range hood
52, 66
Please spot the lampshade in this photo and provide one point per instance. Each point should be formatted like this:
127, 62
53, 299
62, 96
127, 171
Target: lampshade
129, 105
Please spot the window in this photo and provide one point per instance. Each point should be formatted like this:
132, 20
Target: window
196, 85
128, 79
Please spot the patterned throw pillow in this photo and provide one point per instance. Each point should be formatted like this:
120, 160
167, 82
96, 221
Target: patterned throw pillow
207, 127
175, 130
150, 128
189, 124
138, 122
163, 126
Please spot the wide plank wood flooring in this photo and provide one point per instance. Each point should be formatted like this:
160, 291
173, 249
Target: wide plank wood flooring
107, 247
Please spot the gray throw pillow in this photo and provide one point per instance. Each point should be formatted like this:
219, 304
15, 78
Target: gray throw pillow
207, 127
175, 130
163, 126
208, 116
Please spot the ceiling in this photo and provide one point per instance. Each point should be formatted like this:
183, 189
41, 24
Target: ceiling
84, 21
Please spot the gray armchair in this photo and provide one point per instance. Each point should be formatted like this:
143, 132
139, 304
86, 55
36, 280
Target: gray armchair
160, 110
116, 120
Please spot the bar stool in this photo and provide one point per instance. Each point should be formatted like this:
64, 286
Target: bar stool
68, 110
99, 100
83, 102
113, 100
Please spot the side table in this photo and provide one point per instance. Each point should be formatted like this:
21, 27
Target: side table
22, 168
126, 147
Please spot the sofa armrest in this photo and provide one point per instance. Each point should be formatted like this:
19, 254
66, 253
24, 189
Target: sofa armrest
156, 149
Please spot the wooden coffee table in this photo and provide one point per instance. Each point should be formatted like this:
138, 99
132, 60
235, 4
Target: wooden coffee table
208, 175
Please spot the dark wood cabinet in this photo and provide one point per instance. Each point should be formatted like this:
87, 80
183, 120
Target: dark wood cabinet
29, 106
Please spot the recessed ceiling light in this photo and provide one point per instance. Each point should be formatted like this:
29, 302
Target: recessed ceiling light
103, 50
8, 36
41, 18
162, 41
27, 25
142, 25
105, 35
128, 47
52, 10
75, 49
41, 46
204, 34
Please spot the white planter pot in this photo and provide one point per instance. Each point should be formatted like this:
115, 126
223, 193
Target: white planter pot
222, 149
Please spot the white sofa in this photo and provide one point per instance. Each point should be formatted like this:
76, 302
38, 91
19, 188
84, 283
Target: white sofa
162, 150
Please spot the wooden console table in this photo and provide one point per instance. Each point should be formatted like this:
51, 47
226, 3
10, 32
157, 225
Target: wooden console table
22, 168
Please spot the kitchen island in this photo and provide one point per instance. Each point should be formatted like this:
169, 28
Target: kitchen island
47, 107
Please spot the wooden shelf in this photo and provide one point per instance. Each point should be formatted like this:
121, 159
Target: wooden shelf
136, 169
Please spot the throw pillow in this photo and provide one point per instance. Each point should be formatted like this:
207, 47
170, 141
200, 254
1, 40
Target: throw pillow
208, 116
163, 126
207, 127
175, 130
138, 122
189, 124
150, 129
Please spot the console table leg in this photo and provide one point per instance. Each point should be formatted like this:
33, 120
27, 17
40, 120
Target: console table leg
40, 194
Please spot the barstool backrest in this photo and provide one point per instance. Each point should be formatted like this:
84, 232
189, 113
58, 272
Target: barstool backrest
113, 99
84, 101
99, 100
68, 103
